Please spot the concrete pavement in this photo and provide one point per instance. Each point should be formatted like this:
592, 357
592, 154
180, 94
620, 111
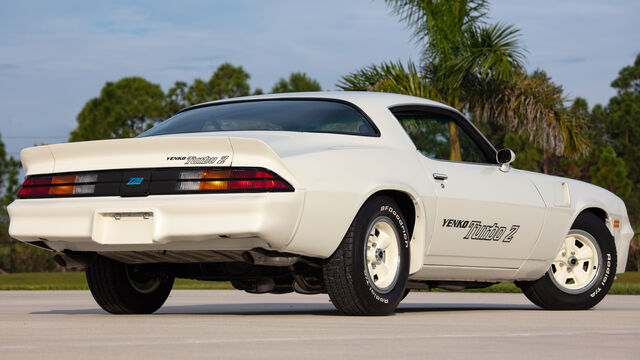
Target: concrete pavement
232, 324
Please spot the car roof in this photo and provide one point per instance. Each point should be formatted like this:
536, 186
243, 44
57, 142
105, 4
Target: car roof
359, 98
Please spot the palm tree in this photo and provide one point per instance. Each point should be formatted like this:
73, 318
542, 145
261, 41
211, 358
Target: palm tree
475, 67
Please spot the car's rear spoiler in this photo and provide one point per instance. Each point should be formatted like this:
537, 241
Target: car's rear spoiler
152, 152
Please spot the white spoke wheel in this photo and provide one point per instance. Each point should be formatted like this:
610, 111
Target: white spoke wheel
368, 272
577, 264
382, 254
582, 272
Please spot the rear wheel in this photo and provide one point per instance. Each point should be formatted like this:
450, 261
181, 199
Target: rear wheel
583, 271
126, 289
368, 272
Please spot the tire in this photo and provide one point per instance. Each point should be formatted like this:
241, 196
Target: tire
124, 289
577, 280
355, 276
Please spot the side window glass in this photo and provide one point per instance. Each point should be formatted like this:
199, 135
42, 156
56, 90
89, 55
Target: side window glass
439, 137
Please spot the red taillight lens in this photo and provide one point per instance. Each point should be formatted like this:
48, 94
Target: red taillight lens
231, 180
58, 185
39, 190
257, 184
35, 181
250, 173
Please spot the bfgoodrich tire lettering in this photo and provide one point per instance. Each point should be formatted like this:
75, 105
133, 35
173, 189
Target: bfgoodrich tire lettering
119, 289
548, 292
351, 274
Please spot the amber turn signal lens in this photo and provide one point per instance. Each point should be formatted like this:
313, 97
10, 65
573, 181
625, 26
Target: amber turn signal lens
214, 185
215, 174
63, 179
61, 190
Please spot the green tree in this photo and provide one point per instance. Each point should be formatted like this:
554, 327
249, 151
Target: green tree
228, 81
611, 173
476, 67
622, 122
628, 79
176, 98
7, 171
131, 105
621, 119
16, 256
528, 156
124, 109
297, 82
8, 175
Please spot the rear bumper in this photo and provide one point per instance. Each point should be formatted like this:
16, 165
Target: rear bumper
162, 222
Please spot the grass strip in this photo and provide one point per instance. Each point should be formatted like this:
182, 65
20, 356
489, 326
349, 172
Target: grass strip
625, 284
77, 281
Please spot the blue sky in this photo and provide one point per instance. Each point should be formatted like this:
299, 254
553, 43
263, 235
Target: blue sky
56, 55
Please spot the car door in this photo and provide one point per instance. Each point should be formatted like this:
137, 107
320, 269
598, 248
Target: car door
485, 217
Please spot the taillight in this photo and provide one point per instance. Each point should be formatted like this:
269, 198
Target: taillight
58, 185
230, 180
163, 181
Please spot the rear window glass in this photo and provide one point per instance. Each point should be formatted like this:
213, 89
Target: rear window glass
270, 115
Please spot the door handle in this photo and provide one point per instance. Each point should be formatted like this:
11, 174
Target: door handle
439, 176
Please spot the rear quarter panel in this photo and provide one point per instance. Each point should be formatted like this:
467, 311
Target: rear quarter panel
340, 172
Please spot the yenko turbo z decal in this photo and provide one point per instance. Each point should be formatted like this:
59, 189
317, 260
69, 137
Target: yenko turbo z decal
199, 160
478, 231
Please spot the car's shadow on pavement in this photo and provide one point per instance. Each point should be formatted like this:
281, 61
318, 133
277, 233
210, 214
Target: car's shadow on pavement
436, 307
298, 309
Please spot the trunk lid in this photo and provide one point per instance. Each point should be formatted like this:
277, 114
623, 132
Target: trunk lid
151, 152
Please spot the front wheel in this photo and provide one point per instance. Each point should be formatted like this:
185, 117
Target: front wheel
583, 271
368, 272
126, 289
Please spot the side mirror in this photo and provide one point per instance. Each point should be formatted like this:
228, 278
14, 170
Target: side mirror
505, 157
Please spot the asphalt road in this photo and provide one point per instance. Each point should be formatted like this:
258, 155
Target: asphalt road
232, 324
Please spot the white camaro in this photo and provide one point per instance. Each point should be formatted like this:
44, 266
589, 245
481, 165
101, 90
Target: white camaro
360, 195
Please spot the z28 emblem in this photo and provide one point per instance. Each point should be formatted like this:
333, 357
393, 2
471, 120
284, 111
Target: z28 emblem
479, 231
135, 181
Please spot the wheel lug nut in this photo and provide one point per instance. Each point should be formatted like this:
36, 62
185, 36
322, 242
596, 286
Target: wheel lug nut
564, 253
374, 244
561, 264
573, 253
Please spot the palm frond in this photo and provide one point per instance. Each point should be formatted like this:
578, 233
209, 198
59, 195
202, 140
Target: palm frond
494, 51
439, 26
363, 79
408, 81
574, 132
392, 77
532, 106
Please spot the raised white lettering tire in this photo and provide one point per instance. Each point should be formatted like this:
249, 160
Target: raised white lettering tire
582, 272
368, 272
